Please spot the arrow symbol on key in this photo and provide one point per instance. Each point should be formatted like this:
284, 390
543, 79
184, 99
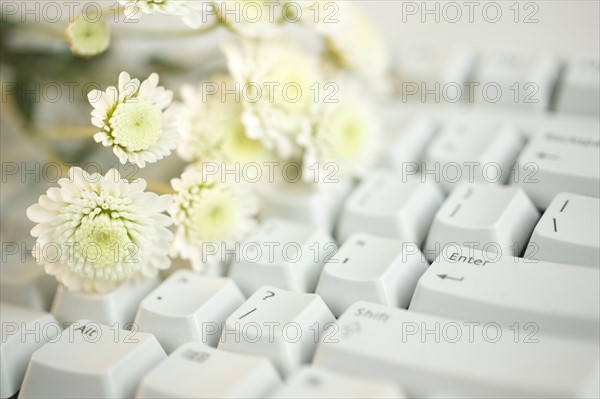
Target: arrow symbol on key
543, 155
445, 276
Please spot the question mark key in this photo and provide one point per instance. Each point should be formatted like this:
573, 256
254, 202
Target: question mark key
273, 319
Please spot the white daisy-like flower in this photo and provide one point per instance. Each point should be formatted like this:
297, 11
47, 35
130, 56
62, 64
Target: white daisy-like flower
190, 11
345, 137
210, 215
96, 232
87, 38
135, 119
354, 43
211, 127
277, 81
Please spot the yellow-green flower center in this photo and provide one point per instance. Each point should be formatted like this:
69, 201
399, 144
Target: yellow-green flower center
102, 240
136, 125
88, 38
213, 215
346, 134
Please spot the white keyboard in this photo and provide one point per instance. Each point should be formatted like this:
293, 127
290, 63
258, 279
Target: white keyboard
466, 265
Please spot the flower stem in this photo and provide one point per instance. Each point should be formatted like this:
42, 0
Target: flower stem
159, 187
64, 132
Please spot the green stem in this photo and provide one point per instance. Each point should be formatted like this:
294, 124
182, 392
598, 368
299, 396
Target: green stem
159, 187
63, 132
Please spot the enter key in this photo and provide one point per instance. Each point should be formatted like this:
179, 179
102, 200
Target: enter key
530, 296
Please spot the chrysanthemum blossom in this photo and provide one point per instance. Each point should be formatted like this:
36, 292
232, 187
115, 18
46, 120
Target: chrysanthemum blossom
277, 82
135, 119
190, 11
344, 140
97, 232
87, 38
354, 43
211, 215
211, 127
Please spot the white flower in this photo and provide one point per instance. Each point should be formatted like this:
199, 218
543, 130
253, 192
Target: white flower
87, 38
252, 18
211, 127
189, 10
96, 232
210, 214
345, 137
135, 119
276, 80
354, 43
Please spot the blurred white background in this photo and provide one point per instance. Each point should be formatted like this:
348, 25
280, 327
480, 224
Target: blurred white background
565, 28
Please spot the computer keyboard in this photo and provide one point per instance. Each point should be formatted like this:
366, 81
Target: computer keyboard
466, 265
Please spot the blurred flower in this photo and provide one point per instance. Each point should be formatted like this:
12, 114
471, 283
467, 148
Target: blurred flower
354, 43
211, 126
190, 11
208, 211
252, 18
135, 119
344, 133
87, 38
276, 81
96, 232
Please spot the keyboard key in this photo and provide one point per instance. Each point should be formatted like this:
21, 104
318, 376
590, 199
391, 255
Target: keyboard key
318, 382
579, 92
188, 307
371, 268
568, 232
468, 152
282, 325
424, 68
23, 332
91, 360
316, 204
284, 254
516, 81
27, 285
474, 285
408, 147
118, 306
557, 161
490, 217
390, 205
427, 355
197, 371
